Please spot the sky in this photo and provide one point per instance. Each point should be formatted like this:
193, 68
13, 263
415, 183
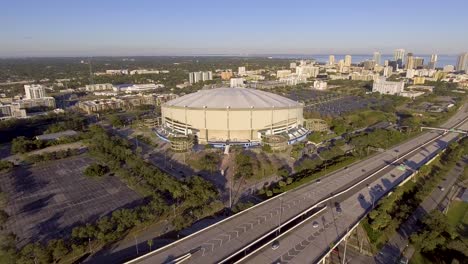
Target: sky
197, 27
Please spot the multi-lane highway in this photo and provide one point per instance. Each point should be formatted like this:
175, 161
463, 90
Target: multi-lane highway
308, 243
221, 242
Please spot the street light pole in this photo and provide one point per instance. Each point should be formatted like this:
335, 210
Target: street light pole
279, 215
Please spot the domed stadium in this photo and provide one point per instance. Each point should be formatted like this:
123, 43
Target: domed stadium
232, 116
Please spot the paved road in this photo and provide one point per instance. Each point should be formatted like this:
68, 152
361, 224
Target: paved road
219, 241
392, 251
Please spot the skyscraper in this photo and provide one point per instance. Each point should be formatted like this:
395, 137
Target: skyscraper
418, 62
34, 91
433, 62
347, 60
409, 64
331, 59
462, 63
377, 57
399, 56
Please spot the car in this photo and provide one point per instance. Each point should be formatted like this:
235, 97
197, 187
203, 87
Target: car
318, 181
275, 245
441, 188
368, 186
315, 224
338, 208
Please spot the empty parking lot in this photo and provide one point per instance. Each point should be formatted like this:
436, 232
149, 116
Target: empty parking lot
46, 201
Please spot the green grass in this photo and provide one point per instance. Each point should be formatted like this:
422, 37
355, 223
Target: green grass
458, 213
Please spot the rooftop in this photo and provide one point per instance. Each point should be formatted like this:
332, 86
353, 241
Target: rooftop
233, 98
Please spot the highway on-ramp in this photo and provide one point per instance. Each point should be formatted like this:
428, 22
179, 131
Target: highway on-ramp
221, 241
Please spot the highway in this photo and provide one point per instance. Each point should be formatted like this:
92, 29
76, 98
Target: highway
221, 241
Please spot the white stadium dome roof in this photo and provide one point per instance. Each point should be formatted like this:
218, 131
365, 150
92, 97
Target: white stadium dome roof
233, 98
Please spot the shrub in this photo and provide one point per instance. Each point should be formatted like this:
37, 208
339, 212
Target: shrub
96, 170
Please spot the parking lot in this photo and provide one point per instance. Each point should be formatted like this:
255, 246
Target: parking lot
46, 201
343, 105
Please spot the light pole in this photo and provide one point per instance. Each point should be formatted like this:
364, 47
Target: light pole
279, 215
136, 244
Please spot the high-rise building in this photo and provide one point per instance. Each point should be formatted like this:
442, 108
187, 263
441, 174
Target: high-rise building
399, 56
432, 64
331, 59
241, 71
418, 62
195, 77
34, 91
377, 56
347, 60
369, 64
409, 64
462, 63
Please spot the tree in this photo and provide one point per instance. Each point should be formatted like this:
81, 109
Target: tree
150, 243
5, 166
58, 249
3, 217
96, 170
244, 168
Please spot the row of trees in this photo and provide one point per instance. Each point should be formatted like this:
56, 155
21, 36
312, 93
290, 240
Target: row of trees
393, 210
54, 155
23, 145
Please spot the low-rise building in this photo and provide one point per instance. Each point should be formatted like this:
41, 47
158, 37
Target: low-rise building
320, 85
419, 80
237, 82
144, 71
95, 106
226, 75
283, 73
294, 79
386, 87
98, 87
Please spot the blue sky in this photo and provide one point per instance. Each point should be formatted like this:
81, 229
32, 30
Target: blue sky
176, 27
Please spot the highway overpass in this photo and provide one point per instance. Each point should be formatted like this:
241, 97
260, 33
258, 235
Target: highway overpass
227, 240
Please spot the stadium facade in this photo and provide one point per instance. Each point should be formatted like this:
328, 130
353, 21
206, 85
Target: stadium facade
232, 116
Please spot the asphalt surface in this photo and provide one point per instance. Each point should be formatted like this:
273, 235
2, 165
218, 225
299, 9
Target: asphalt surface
218, 242
47, 200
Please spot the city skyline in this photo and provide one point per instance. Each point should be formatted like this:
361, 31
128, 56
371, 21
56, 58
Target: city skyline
145, 28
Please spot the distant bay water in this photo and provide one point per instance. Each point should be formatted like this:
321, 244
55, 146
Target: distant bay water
442, 60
